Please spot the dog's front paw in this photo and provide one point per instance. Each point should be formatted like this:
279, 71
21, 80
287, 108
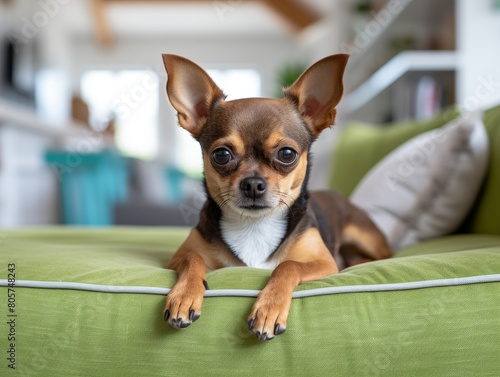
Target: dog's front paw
269, 315
183, 303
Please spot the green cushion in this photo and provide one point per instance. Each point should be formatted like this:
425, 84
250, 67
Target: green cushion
361, 146
485, 216
450, 330
449, 244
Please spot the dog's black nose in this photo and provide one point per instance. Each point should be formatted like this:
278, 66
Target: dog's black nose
253, 187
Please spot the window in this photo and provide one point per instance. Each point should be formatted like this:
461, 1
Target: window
131, 98
236, 83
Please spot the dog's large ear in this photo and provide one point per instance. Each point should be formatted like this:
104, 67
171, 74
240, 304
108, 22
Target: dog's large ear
190, 91
318, 91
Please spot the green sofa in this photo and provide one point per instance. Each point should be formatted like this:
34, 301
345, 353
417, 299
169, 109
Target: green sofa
88, 302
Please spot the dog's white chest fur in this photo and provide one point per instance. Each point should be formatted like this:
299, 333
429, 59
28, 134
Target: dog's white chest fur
254, 239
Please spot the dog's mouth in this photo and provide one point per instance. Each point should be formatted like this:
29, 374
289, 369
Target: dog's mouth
252, 208
255, 207
253, 204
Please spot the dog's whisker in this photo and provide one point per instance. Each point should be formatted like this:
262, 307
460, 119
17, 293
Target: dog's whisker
290, 211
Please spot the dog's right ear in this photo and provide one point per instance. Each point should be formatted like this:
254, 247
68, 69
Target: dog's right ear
318, 91
190, 91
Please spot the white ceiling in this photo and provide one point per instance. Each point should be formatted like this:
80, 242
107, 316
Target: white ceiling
212, 18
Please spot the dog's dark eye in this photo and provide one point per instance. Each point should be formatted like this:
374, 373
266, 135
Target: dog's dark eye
221, 156
287, 156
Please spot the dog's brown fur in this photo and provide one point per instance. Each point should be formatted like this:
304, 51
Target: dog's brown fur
324, 232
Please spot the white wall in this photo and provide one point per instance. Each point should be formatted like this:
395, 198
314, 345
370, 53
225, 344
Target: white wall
28, 187
478, 44
323, 40
38, 27
264, 55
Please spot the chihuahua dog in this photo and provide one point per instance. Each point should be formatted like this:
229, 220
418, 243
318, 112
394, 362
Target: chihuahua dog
259, 213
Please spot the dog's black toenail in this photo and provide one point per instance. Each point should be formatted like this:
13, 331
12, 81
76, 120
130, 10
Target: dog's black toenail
251, 323
257, 334
278, 330
166, 315
193, 316
205, 284
183, 325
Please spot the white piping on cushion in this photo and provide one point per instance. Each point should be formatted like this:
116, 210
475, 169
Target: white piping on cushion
495, 278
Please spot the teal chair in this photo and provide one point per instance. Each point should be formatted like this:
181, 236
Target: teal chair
90, 185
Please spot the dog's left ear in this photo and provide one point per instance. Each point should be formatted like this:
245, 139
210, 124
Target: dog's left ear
318, 91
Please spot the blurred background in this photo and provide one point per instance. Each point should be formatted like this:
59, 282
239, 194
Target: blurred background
87, 136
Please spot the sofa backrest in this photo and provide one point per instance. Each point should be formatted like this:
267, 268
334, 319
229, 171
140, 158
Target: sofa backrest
361, 146
485, 216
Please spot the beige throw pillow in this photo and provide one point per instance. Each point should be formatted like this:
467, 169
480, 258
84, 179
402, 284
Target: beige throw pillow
425, 187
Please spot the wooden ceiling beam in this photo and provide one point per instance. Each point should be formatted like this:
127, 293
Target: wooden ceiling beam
102, 30
296, 13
